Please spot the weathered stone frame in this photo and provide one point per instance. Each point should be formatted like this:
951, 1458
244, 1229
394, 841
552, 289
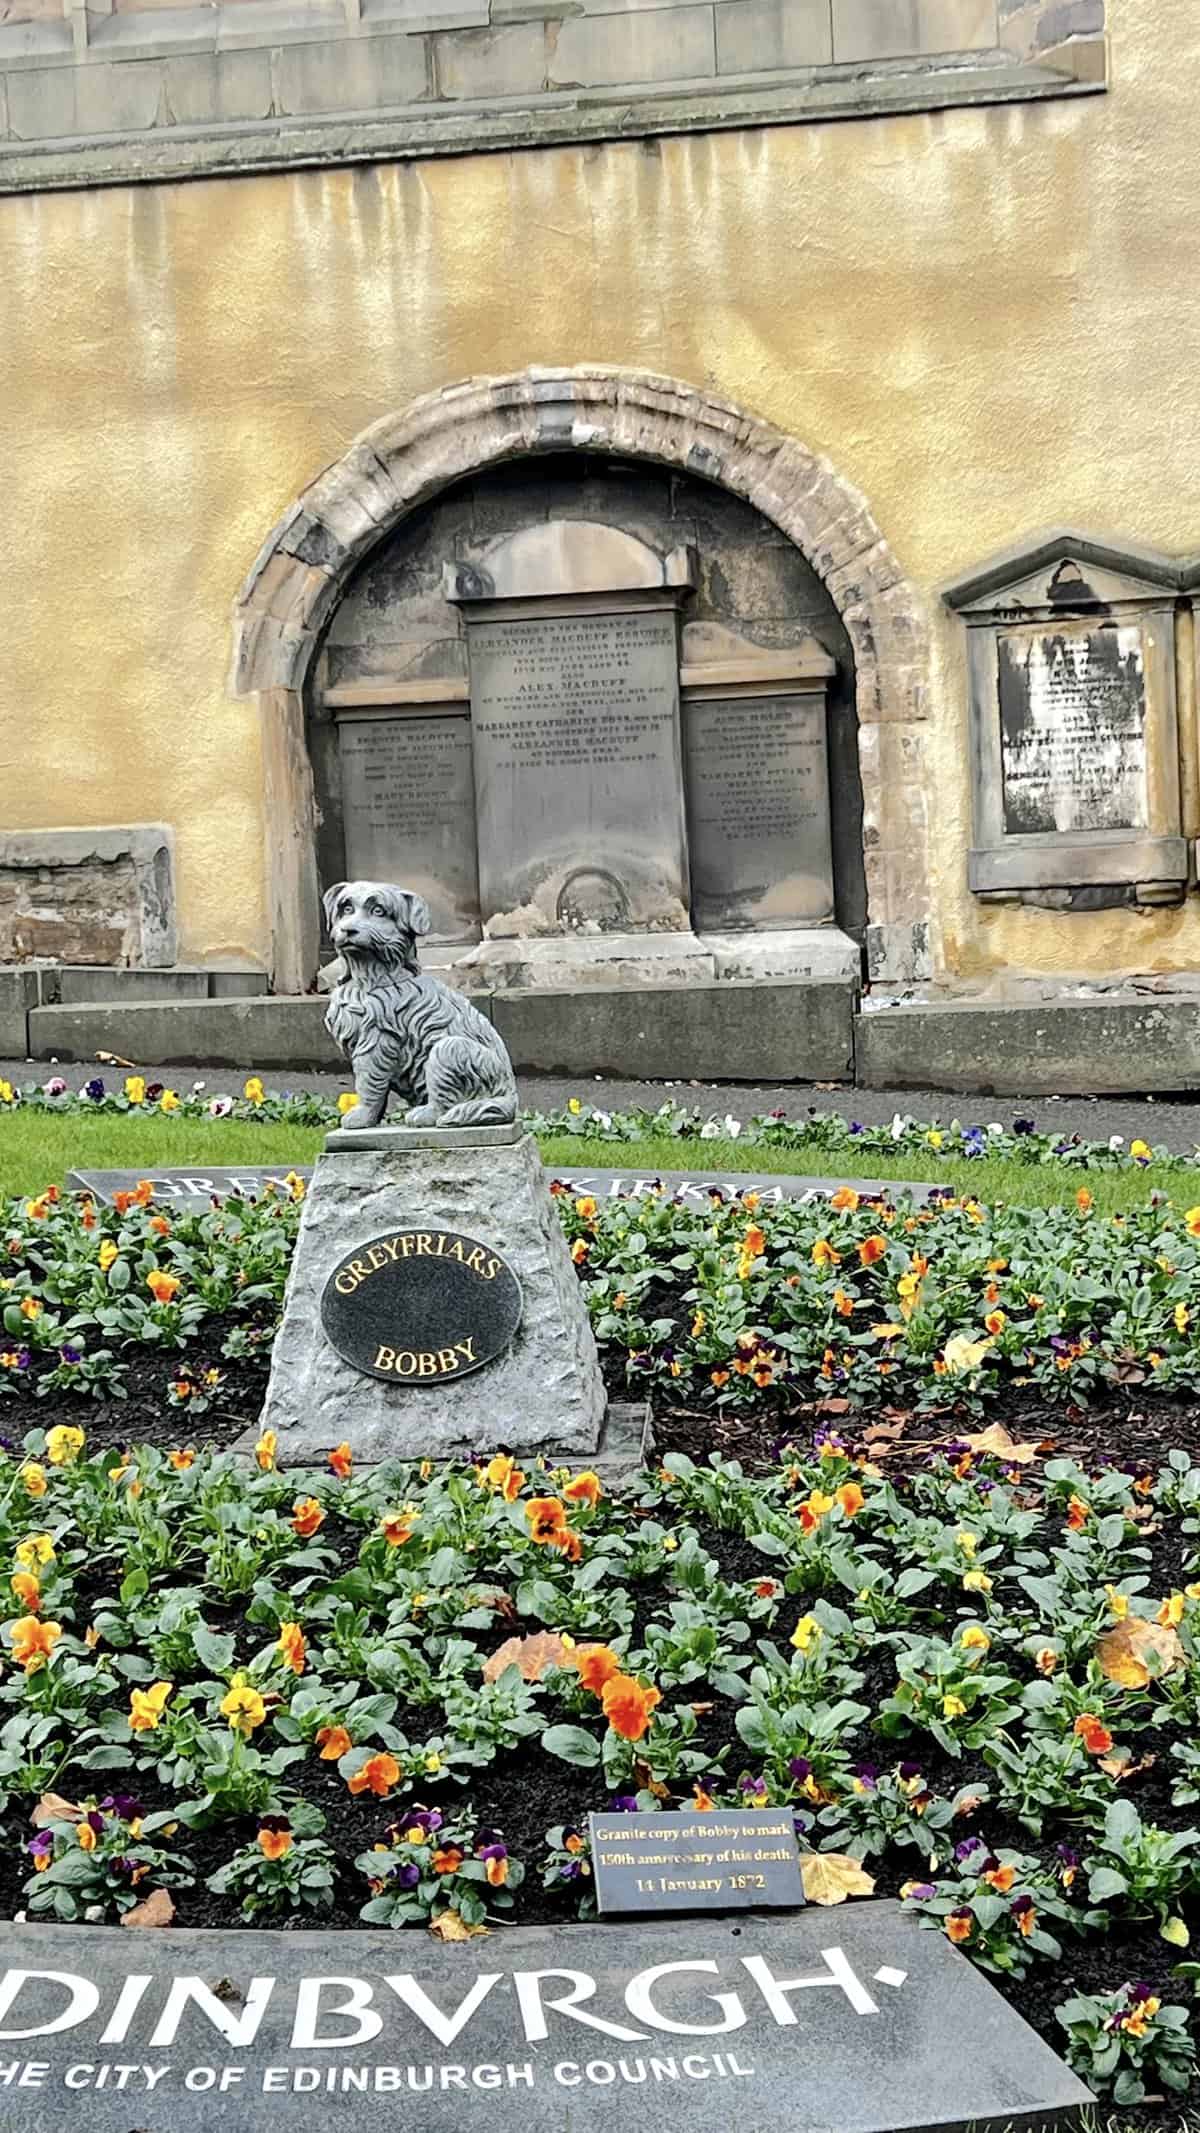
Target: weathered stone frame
149, 850
1083, 869
403, 461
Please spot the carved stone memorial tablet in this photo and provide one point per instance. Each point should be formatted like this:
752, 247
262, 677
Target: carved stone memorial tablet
1073, 728
758, 811
408, 800
577, 769
1075, 767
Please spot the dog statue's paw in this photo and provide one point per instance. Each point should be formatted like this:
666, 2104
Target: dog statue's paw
356, 1119
421, 1115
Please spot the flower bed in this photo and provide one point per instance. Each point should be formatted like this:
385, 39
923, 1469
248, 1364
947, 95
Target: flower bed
394, 1696
731, 1316
965, 1661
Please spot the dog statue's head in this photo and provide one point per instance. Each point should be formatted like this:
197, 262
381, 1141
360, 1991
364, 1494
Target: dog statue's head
376, 922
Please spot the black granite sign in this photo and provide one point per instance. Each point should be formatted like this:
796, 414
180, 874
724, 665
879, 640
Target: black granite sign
716, 1861
249, 1180
418, 1306
858, 2020
692, 1186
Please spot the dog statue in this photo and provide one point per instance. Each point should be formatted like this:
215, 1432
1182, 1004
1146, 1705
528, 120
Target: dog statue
404, 1031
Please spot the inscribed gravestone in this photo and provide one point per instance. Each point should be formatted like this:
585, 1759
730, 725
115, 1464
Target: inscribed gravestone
577, 768
408, 801
758, 811
1072, 729
696, 1862
863, 2022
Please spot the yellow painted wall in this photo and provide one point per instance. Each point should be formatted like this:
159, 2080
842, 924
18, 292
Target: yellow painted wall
987, 319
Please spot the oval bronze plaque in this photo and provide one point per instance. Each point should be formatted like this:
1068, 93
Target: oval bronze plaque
421, 1306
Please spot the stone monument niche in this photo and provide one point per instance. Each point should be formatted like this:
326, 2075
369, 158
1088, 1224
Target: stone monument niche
1074, 731
601, 719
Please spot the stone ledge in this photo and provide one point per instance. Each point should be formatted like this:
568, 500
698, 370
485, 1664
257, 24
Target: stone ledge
774, 1032
1123, 1042
1117, 1044
87, 984
153, 155
758, 1032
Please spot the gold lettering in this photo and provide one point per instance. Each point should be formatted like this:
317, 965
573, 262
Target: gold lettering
376, 1258
345, 1284
426, 1364
391, 1246
359, 1267
456, 1251
441, 1244
447, 1361
491, 1269
386, 1359
425, 1245
406, 1364
467, 1347
406, 1245
475, 1262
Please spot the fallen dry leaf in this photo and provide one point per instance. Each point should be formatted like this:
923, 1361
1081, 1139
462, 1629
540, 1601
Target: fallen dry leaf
449, 1926
114, 1059
834, 1406
53, 1808
1136, 1651
534, 1655
829, 1877
1122, 1765
883, 1433
156, 1909
491, 1596
995, 1439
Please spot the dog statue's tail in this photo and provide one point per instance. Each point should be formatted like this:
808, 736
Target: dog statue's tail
468, 1084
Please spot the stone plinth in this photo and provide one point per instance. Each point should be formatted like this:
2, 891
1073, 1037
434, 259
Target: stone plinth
544, 1392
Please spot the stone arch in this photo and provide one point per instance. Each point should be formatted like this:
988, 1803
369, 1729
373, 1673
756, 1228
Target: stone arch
406, 459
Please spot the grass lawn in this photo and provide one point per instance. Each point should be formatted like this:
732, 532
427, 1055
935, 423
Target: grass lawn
38, 1148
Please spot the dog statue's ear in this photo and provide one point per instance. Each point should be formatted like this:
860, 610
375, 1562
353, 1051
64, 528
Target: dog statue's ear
329, 901
409, 910
420, 918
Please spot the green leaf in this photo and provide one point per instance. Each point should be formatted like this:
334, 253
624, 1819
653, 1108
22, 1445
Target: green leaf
1176, 1933
572, 1745
119, 1276
213, 1648
910, 1582
1106, 1882
134, 1586
1122, 1823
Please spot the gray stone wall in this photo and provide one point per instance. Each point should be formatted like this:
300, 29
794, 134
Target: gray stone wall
109, 91
396, 624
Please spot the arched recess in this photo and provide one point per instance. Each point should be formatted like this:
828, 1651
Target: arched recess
404, 460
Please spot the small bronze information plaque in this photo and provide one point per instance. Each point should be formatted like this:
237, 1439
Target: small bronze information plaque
723, 1860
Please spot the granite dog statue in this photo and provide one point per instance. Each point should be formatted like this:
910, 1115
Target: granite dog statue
405, 1031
